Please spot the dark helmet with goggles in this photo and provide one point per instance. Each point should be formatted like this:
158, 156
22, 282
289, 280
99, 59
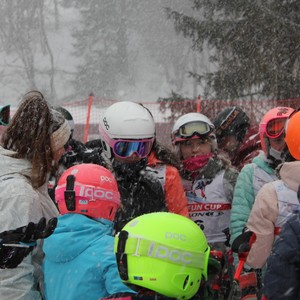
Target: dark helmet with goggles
232, 121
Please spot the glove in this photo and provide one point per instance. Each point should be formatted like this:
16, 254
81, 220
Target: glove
16, 244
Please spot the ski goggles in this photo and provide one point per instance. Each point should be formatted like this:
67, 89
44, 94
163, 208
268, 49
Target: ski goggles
4, 115
193, 128
126, 148
274, 128
126, 245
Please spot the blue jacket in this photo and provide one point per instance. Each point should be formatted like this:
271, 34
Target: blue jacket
80, 261
244, 193
282, 277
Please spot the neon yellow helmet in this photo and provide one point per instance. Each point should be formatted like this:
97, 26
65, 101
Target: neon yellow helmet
163, 252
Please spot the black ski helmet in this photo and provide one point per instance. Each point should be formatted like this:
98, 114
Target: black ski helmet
232, 121
67, 115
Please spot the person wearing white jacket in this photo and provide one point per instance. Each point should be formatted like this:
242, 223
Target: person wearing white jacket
31, 145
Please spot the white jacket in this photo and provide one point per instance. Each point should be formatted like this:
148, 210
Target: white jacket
20, 204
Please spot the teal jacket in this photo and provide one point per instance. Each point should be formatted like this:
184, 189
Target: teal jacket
80, 261
244, 192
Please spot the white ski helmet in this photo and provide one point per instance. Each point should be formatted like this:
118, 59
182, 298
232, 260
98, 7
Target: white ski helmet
199, 125
126, 121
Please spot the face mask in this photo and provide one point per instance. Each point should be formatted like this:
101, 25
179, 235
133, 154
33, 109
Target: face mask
196, 162
275, 154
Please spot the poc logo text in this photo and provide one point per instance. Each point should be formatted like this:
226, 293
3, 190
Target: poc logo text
175, 236
95, 193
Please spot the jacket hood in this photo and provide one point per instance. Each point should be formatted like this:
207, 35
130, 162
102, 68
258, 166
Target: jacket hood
74, 233
11, 166
262, 162
289, 174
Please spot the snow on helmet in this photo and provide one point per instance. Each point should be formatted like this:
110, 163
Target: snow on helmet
292, 136
232, 121
163, 252
67, 115
272, 125
88, 189
127, 121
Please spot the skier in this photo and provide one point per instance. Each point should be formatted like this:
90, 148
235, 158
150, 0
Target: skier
232, 126
207, 177
79, 261
32, 145
162, 256
276, 201
127, 131
262, 169
209, 181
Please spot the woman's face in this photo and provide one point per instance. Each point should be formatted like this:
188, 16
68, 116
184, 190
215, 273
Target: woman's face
194, 147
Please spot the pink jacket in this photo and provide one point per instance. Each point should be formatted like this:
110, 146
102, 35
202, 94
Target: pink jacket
264, 214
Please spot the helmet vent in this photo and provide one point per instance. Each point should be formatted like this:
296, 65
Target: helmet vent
110, 214
186, 280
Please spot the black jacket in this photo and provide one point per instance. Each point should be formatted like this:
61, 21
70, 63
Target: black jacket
282, 277
141, 192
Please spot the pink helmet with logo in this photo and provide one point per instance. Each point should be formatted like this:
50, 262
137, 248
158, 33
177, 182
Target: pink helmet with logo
88, 189
272, 124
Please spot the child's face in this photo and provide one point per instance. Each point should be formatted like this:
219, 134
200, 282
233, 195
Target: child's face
194, 147
278, 143
229, 144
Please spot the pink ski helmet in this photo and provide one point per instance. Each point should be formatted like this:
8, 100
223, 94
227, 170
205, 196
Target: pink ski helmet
88, 189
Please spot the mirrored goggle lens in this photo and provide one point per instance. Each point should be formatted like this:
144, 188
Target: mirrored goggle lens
275, 127
126, 148
190, 129
4, 115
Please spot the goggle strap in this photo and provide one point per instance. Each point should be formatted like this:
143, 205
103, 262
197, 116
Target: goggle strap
139, 246
230, 117
121, 256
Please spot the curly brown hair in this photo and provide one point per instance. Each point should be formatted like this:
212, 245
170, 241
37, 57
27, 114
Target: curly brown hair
28, 134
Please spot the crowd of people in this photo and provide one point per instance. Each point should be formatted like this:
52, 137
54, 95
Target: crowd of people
125, 216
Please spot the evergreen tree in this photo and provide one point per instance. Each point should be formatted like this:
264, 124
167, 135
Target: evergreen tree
177, 105
100, 46
23, 37
255, 46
